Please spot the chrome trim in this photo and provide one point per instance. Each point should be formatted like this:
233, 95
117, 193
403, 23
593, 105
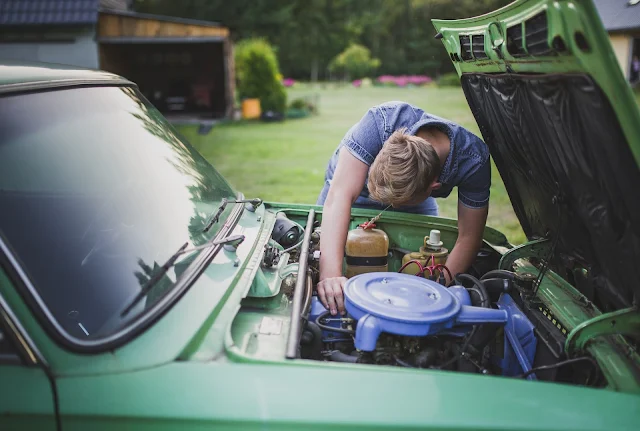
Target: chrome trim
147, 317
295, 329
27, 344
22, 87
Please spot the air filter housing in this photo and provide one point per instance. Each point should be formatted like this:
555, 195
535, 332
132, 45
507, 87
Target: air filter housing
406, 305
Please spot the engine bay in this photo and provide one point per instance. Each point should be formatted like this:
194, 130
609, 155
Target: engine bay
399, 313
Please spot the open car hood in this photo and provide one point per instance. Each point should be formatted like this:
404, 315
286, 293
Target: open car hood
563, 128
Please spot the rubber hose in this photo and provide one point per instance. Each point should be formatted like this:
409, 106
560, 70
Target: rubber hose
499, 273
497, 286
485, 301
482, 334
338, 356
316, 345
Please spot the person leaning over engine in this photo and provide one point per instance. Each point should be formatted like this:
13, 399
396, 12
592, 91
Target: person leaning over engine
399, 155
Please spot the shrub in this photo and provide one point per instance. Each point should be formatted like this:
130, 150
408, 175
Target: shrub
303, 107
355, 62
449, 80
299, 103
258, 75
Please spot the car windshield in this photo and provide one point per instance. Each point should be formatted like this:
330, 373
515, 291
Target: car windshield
97, 192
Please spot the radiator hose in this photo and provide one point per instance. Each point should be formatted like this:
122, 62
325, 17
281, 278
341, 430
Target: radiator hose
478, 288
338, 356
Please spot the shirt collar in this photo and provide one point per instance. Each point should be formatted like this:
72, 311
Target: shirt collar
445, 172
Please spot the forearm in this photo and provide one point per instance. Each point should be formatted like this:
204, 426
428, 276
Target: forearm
463, 254
335, 223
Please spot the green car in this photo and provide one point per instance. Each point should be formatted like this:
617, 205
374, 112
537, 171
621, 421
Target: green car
139, 290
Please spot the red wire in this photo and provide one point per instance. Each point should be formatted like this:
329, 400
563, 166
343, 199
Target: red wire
430, 271
430, 268
417, 262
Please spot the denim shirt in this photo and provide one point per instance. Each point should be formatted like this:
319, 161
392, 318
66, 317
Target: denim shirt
467, 166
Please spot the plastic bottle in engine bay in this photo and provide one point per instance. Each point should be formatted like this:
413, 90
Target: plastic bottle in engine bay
432, 253
366, 250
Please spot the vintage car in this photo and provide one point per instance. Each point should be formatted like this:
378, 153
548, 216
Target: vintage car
139, 290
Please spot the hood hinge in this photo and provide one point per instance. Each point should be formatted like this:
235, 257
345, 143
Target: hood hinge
537, 248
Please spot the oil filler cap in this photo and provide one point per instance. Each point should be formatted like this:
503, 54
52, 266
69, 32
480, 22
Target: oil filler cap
404, 304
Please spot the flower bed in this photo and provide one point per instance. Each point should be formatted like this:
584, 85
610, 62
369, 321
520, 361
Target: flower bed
403, 80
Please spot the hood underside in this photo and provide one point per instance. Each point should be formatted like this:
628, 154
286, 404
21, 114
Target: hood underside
563, 129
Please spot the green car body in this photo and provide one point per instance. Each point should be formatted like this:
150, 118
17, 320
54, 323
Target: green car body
210, 350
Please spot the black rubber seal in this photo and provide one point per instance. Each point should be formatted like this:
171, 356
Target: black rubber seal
366, 261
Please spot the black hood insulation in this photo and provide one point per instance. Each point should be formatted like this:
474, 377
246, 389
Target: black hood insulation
570, 175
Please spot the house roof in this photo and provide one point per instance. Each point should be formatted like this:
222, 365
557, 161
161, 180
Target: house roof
75, 12
42, 12
619, 15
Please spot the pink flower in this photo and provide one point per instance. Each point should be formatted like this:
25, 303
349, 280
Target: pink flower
404, 80
288, 82
357, 83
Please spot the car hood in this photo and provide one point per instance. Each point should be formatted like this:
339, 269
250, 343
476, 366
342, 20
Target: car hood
563, 128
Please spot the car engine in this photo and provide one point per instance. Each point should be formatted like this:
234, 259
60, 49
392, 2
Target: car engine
487, 321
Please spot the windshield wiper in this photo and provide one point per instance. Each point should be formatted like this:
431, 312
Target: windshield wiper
230, 242
255, 203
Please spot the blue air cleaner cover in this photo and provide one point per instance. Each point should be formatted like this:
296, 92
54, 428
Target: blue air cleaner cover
404, 304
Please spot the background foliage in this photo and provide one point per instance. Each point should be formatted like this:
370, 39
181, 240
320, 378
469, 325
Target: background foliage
355, 62
308, 34
258, 74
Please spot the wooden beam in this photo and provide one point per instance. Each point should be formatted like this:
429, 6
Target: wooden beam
126, 26
230, 77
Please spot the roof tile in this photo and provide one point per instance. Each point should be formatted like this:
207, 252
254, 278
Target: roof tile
37, 12
618, 15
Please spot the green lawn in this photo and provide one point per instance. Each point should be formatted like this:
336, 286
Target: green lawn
286, 161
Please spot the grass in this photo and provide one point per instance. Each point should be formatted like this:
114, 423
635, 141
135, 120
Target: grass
286, 161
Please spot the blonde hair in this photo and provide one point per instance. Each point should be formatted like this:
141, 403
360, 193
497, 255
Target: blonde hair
406, 165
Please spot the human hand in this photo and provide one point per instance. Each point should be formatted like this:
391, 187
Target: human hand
330, 293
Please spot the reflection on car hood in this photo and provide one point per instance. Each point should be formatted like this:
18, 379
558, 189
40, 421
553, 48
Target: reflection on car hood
563, 128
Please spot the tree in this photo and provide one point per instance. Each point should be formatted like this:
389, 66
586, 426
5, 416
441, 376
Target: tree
355, 62
308, 34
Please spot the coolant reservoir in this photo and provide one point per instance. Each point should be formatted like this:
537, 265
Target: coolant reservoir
366, 251
431, 253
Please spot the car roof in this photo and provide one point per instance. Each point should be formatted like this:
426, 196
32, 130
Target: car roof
25, 76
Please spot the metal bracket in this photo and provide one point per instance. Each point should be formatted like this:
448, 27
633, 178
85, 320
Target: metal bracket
537, 248
623, 322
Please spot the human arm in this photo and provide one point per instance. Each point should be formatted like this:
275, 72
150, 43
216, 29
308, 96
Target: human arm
473, 208
471, 222
347, 183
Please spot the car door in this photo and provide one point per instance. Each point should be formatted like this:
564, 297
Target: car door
26, 395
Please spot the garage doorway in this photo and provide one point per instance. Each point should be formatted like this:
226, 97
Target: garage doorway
180, 79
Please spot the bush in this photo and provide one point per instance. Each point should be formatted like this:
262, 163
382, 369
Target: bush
258, 75
299, 103
355, 62
302, 107
449, 80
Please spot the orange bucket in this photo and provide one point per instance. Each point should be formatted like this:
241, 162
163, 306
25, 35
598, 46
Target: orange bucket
251, 109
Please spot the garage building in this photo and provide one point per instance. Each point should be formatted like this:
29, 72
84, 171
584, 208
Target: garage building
184, 67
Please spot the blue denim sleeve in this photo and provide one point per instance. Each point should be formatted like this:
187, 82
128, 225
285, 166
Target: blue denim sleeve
473, 192
363, 140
